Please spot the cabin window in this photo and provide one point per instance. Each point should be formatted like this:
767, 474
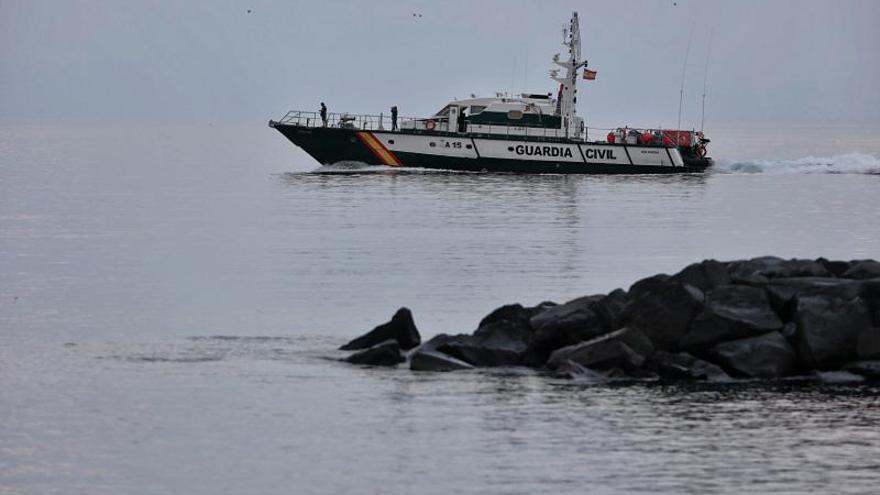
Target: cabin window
477, 109
390, 141
443, 112
514, 114
432, 144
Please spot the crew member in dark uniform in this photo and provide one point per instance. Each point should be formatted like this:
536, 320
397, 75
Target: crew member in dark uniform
394, 118
323, 114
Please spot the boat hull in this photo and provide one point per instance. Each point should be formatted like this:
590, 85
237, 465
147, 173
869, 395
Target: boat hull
449, 151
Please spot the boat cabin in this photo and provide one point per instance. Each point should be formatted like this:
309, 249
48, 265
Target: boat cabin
526, 114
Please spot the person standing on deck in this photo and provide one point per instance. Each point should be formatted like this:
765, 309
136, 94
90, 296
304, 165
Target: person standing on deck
323, 113
394, 118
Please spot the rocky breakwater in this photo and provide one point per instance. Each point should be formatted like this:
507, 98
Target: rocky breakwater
761, 318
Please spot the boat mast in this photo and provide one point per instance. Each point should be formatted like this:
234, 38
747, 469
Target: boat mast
571, 38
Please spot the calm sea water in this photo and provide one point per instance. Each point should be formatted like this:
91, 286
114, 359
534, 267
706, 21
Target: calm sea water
171, 298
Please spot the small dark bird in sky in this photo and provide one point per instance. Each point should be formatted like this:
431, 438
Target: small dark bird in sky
249, 11
417, 15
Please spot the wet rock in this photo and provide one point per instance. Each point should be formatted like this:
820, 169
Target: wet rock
731, 312
828, 330
626, 349
429, 358
764, 356
663, 311
757, 271
385, 353
838, 377
563, 325
863, 270
705, 275
684, 366
868, 369
401, 328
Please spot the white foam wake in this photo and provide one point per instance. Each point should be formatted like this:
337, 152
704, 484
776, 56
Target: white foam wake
850, 163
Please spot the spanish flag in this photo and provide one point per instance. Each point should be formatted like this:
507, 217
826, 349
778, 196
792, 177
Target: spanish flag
589, 75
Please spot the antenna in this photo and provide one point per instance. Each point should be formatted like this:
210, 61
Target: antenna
706, 79
683, 68
513, 76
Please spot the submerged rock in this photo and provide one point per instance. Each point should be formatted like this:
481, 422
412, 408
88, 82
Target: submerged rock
385, 353
570, 370
838, 377
731, 312
765, 356
684, 366
401, 328
868, 369
428, 360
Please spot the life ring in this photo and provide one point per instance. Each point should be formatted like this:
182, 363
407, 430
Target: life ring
701, 151
429, 125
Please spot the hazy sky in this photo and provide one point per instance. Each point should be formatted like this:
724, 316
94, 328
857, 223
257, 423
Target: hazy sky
792, 61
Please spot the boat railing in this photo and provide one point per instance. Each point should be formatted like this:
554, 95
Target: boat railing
382, 122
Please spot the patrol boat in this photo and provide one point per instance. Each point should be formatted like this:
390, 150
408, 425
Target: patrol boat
528, 133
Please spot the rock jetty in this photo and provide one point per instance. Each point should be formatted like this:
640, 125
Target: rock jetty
761, 318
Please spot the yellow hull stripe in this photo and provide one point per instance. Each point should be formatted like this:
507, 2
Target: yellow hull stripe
382, 153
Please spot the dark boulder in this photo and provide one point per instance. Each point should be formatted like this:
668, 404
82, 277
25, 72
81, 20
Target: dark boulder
705, 275
382, 354
501, 339
829, 329
731, 312
429, 358
683, 366
648, 284
783, 292
834, 267
764, 356
663, 311
563, 325
540, 308
871, 294
626, 349
757, 271
863, 270
401, 328
868, 343
868, 369
610, 308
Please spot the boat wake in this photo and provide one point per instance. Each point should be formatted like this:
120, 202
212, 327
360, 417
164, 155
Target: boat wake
850, 163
